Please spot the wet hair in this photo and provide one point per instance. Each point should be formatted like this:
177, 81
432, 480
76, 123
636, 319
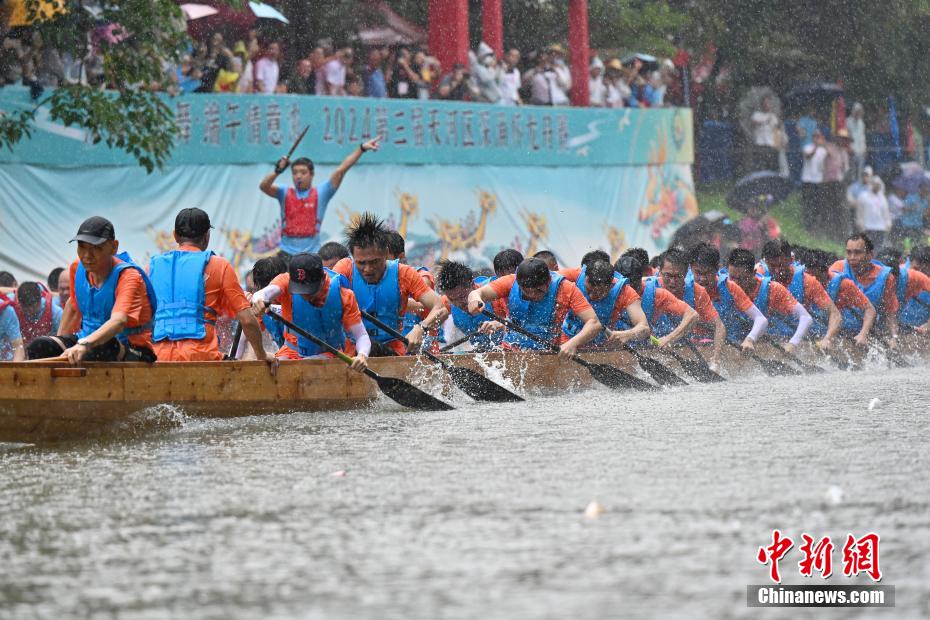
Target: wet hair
507, 261
594, 256
7, 279
740, 257
52, 280
265, 269
818, 260
532, 272
303, 161
547, 257
599, 273
921, 254
453, 275
366, 232
639, 254
29, 294
705, 255
869, 246
776, 248
802, 254
675, 257
333, 250
395, 243
889, 256
630, 268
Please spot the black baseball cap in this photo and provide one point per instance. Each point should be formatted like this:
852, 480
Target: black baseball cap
192, 223
96, 230
306, 271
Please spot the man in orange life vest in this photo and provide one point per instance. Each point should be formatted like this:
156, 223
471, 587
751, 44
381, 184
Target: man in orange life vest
304, 206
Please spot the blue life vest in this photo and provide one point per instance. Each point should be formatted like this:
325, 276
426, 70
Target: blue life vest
603, 308
324, 322
177, 278
411, 319
916, 310
533, 316
275, 330
96, 304
852, 318
667, 324
381, 300
737, 323
469, 323
875, 291
785, 326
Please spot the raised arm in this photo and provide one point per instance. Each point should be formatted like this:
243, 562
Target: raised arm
336, 178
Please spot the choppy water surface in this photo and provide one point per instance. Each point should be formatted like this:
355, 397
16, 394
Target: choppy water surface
477, 513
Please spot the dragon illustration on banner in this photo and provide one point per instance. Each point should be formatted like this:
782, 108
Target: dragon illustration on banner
669, 199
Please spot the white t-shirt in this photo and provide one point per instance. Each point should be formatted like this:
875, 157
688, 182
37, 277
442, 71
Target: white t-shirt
266, 75
812, 172
873, 211
335, 73
510, 86
597, 92
764, 125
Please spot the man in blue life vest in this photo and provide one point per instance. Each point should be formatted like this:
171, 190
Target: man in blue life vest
658, 303
770, 297
506, 262
856, 311
263, 272
194, 288
456, 281
303, 206
383, 287
806, 289
916, 312
539, 300
37, 313
912, 288
109, 316
612, 297
397, 250
744, 322
873, 279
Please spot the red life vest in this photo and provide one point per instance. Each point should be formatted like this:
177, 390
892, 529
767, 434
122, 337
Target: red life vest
41, 326
300, 214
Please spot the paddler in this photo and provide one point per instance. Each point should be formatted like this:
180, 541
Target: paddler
11, 338
917, 311
539, 300
611, 297
37, 313
873, 279
314, 299
770, 297
303, 206
657, 302
109, 315
676, 276
806, 289
456, 281
856, 311
506, 262
382, 287
195, 287
733, 306
912, 288
416, 312
573, 273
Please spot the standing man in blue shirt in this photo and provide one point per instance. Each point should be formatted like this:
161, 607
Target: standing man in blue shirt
303, 206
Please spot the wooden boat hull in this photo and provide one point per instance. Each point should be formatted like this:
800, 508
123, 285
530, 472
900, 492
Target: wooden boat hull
45, 401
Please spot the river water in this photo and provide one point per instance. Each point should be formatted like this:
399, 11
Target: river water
478, 512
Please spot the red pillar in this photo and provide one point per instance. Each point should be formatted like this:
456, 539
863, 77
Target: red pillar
578, 49
448, 32
492, 25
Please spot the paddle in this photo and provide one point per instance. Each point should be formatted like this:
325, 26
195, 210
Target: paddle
698, 371
656, 370
234, 347
794, 358
469, 381
896, 358
609, 375
397, 390
773, 368
704, 366
456, 343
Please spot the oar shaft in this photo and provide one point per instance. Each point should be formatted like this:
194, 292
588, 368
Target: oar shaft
372, 319
456, 343
520, 330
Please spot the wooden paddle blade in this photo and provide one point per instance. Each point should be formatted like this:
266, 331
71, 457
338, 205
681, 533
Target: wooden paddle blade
480, 387
407, 395
659, 372
777, 369
698, 371
617, 379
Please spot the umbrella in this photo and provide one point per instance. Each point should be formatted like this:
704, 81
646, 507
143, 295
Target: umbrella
815, 93
771, 185
196, 11
650, 63
263, 10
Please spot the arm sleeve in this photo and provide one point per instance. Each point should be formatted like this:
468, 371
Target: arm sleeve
360, 336
269, 293
804, 323
759, 322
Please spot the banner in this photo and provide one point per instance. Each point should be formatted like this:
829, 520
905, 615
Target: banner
469, 210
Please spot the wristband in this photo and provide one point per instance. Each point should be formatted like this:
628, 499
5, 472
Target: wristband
361, 147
